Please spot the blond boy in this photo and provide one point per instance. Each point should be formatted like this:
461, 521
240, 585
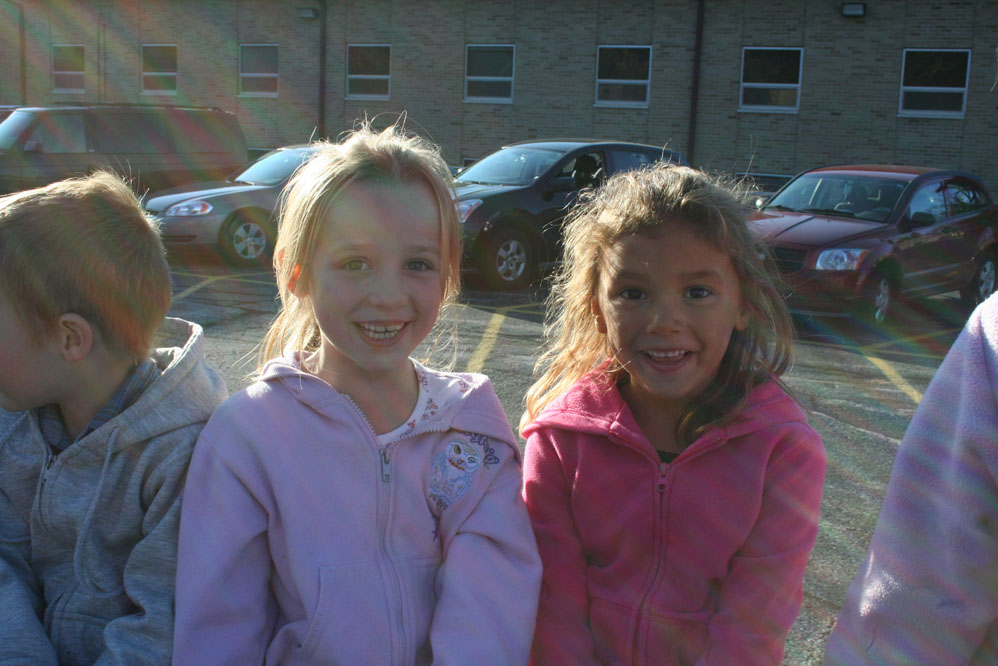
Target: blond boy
96, 427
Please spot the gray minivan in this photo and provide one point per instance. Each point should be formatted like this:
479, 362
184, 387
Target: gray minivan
156, 146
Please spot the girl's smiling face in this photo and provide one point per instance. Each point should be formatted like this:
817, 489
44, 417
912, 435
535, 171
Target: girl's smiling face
668, 304
375, 282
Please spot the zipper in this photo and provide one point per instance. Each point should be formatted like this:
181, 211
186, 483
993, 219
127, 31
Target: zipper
661, 484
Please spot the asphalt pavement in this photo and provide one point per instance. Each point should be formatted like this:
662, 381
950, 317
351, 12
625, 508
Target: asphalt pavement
860, 386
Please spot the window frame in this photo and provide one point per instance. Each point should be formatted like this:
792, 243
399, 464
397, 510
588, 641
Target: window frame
82, 73
769, 108
167, 75
467, 77
253, 75
369, 77
623, 104
927, 113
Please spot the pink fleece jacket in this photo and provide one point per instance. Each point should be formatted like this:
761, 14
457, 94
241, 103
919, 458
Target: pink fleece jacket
304, 540
700, 561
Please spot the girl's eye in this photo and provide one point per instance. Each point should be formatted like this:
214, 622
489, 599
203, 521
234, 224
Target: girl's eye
632, 294
355, 265
698, 292
419, 265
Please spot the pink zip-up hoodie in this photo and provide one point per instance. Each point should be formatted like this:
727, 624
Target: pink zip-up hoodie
305, 540
700, 561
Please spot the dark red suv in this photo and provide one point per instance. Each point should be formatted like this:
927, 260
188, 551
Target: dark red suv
848, 238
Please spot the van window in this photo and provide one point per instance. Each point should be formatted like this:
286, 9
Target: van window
12, 127
132, 132
200, 132
628, 160
61, 133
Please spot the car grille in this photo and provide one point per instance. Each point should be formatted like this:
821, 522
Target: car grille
788, 260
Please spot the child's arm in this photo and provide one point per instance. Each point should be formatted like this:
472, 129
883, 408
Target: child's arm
225, 610
927, 592
488, 581
22, 636
562, 635
762, 594
145, 636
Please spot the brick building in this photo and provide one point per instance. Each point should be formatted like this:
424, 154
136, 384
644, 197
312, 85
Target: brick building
771, 87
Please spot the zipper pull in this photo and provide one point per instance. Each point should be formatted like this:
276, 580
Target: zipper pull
386, 470
663, 469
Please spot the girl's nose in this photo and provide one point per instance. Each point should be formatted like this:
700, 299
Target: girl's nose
387, 289
666, 317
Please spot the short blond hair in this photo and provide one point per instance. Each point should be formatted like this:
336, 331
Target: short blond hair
390, 156
651, 201
85, 246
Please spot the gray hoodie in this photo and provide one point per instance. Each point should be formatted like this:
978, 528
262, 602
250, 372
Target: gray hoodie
101, 519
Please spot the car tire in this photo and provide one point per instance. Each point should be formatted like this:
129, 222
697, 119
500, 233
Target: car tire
878, 299
247, 240
509, 261
984, 283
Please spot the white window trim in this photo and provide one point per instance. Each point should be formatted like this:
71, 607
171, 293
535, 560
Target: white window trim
766, 108
467, 78
75, 91
370, 77
276, 77
631, 82
165, 75
907, 113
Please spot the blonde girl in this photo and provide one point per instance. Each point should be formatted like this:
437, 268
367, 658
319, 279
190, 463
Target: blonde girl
672, 482
353, 506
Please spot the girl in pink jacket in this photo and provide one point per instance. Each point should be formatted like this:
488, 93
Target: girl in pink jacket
353, 506
673, 484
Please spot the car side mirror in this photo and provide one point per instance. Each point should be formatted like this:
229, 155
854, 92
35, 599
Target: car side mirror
32, 146
921, 219
759, 202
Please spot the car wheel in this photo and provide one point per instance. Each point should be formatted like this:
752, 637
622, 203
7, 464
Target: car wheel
247, 240
984, 282
878, 297
508, 262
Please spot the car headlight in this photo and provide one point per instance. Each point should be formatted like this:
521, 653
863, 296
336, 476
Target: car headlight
189, 208
465, 208
839, 260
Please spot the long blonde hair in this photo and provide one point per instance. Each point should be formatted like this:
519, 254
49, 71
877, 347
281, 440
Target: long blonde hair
650, 201
364, 155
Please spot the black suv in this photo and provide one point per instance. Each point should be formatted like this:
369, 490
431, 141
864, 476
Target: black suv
512, 202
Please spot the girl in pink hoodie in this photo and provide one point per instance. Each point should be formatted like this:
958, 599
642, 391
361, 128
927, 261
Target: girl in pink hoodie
353, 506
673, 484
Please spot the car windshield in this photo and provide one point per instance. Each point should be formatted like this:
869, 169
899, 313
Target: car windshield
12, 127
843, 194
516, 165
274, 167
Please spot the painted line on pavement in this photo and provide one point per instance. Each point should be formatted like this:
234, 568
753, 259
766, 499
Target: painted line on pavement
895, 377
190, 290
477, 360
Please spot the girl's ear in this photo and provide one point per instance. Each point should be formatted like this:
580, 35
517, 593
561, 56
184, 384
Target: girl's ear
598, 315
75, 337
742, 320
294, 282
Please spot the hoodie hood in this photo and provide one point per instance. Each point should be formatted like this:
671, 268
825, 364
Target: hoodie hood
472, 405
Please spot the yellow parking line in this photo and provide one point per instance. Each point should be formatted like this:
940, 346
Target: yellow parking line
477, 361
190, 290
895, 377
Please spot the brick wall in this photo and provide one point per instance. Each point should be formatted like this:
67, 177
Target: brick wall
848, 98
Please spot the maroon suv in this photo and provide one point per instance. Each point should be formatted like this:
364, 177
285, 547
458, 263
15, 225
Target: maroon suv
848, 238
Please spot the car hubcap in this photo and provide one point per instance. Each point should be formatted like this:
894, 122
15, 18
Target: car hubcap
881, 301
986, 280
249, 240
511, 260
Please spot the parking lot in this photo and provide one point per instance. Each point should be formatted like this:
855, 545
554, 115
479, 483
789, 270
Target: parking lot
861, 388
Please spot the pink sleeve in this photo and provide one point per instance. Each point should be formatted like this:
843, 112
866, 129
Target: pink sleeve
761, 596
562, 635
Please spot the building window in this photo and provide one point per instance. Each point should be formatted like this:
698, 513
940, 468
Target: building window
934, 82
159, 69
488, 73
258, 70
369, 71
623, 75
771, 79
69, 66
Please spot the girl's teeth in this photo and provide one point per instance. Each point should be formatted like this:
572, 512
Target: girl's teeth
381, 332
672, 355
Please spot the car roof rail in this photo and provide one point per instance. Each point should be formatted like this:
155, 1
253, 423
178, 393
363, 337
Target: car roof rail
139, 105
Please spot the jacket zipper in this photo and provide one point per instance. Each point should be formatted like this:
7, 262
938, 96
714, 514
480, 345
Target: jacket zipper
661, 484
